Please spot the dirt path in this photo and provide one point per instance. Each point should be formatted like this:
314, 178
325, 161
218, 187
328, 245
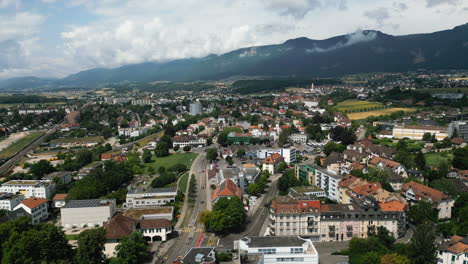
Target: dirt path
12, 139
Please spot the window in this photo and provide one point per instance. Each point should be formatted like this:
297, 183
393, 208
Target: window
267, 251
296, 250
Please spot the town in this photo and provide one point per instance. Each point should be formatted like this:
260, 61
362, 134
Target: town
360, 169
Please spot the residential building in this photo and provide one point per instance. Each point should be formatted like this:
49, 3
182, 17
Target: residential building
414, 192
191, 141
271, 163
152, 197
248, 174
82, 213
298, 138
291, 249
453, 251
8, 201
334, 222
288, 154
228, 189
29, 188
322, 178
417, 132
196, 109
460, 127
36, 207
120, 226
59, 200
64, 176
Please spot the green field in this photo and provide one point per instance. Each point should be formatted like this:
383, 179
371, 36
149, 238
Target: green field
169, 161
183, 182
19, 145
351, 106
434, 159
144, 141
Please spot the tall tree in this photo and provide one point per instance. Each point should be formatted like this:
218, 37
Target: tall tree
91, 246
131, 250
422, 212
420, 160
422, 246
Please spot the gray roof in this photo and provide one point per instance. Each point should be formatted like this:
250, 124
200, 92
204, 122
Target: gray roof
189, 258
88, 203
154, 190
288, 241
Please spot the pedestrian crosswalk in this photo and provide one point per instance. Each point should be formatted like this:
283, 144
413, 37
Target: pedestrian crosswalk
190, 229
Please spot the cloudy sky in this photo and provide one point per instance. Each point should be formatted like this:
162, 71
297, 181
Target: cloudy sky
54, 38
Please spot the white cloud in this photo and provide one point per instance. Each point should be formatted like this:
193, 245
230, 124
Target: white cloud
10, 3
379, 15
432, 3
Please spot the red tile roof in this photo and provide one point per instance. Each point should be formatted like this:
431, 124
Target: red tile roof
289, 205
60, 197
368, 188
392, 206
154, 223
227, 189
386, 162
424, 192
119, 226
34, 202
273, 159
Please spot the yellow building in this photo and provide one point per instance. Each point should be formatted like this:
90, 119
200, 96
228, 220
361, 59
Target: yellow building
417, 132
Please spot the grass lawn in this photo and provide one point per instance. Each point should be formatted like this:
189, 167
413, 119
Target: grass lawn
434, 159
19, 145
350, 106
387, 111
183, 182
144, 141
169, 161
72, 237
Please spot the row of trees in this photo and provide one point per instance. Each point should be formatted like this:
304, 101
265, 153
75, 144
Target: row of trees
23, 242
101, 181
168, 176
382, 248
258, 187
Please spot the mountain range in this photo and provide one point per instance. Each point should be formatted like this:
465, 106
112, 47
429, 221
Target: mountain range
359, 52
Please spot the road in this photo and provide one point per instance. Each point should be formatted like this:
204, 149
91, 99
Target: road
12, 161
254, 222
188, 236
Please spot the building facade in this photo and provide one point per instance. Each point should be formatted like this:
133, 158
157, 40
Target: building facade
36, 207
29, 188
417, 132
292, 249
152, 197
82, 213
333, 222
8, 201
196, 108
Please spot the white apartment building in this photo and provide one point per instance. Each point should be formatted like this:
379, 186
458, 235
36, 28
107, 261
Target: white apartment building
81, 213
36, 207
298, 138
8, 201
196, 108
279, 250
194, 142
327, 181
453, 251
29, 188
288, 154
417, 132
153, 197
